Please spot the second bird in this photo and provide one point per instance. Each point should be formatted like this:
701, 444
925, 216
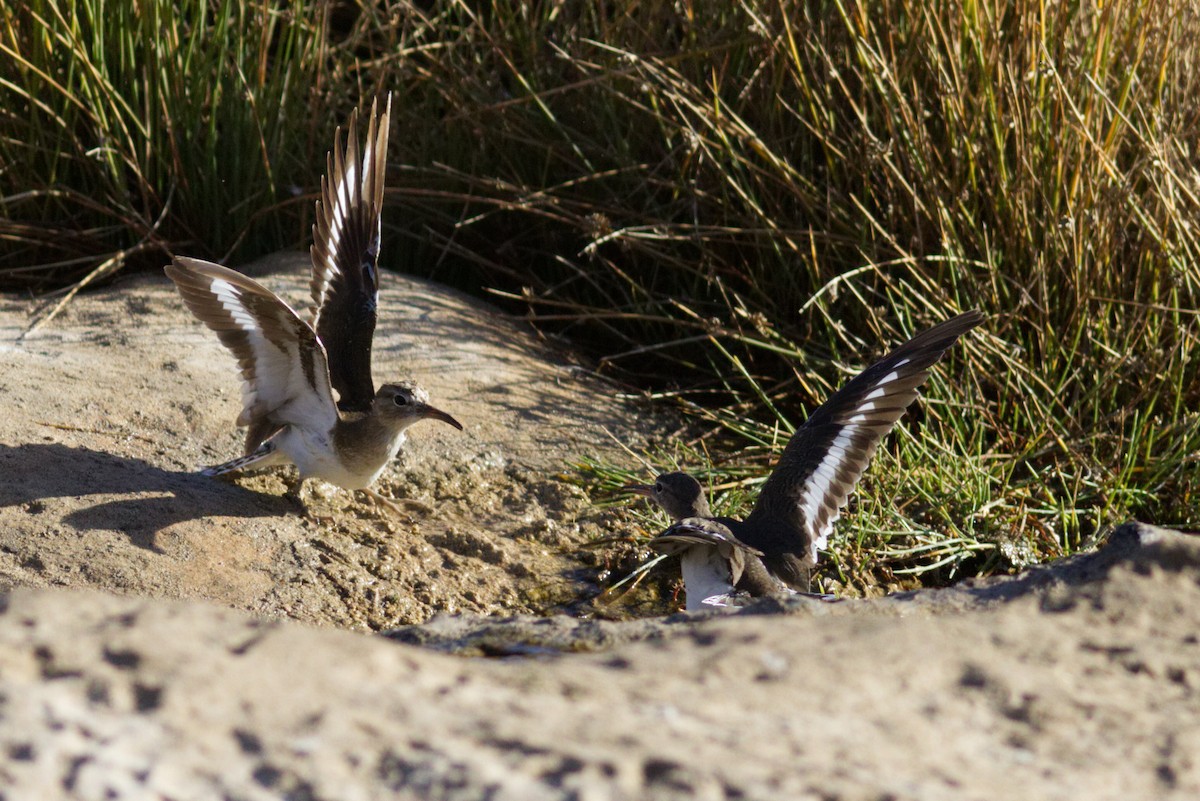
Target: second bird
773, 550
290, 366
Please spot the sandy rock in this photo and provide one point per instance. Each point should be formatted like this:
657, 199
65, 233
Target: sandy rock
111, 407
1085, 684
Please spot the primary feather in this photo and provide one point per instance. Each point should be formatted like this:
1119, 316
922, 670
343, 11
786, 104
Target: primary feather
345, 257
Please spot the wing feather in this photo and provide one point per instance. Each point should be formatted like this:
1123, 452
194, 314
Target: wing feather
826, 457
698, 531
345, 257
285, 380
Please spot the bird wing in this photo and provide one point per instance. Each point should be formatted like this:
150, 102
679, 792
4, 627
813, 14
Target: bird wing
827, 455
716, 563
698, 531
345, 255
707, 533
285, 380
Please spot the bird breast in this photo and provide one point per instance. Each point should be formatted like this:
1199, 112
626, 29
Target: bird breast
706, 577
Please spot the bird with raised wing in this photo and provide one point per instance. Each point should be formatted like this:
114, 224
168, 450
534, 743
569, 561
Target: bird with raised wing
290, 367
772, 552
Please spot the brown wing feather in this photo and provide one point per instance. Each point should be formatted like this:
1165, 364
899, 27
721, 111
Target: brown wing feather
284, 375
826, 457
345, 257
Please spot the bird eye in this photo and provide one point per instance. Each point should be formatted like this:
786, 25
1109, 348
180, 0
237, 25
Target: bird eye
658, 487
400, 400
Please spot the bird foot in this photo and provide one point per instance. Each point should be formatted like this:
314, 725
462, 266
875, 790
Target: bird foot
395, 506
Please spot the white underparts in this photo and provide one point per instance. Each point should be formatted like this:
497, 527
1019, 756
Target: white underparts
313, 454
705, 576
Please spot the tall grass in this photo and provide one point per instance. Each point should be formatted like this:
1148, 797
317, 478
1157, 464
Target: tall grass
135, 129
768, 195
737, 204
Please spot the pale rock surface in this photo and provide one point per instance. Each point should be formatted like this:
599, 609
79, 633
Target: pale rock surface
112, 406
1083, 683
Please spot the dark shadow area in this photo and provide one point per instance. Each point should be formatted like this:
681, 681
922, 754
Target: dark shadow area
33, 473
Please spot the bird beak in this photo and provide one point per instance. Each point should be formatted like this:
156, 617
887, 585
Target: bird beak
640, 489
433, 413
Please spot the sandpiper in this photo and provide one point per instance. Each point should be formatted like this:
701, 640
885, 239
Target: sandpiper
290, 367
773, 551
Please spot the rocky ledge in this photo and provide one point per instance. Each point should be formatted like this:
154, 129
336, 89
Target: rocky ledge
1078, 680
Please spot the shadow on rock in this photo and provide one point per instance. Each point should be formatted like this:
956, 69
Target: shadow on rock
37, 472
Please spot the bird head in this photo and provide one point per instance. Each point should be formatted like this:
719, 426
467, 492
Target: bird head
405, 404
679, 494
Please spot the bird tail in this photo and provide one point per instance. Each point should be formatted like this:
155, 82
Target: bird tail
265, 455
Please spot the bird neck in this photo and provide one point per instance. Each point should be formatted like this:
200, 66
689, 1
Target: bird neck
678, 509
700, 508
368, 437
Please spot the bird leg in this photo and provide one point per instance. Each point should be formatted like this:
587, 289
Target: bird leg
394, 506
295, 493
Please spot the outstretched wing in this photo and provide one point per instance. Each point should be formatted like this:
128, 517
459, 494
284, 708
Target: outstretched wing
827, 455
345, 255
285, 380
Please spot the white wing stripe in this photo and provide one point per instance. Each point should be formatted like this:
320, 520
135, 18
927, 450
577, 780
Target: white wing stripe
279, 382
825, 469
343, 196
368, 157
881, 386
231, 300
342, 199
270, 342
821, 481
